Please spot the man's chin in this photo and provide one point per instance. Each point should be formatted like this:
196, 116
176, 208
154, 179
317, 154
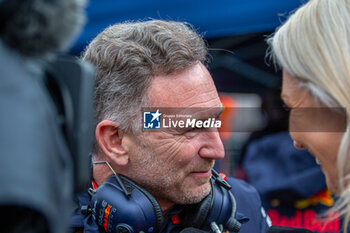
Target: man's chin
194, 195
188, 192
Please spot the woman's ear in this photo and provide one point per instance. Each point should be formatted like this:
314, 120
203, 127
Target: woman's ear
110, 140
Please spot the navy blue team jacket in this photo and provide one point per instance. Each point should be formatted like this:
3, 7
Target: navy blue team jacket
249, 212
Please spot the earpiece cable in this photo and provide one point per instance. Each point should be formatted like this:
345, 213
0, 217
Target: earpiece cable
120, 182
215, 227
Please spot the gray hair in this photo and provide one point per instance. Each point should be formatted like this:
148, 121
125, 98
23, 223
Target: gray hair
40, 27
128, 55
314, 47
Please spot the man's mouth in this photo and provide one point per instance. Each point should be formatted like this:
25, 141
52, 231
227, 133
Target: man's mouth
201, 174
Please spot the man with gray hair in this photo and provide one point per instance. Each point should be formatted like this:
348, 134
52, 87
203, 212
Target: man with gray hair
159, 179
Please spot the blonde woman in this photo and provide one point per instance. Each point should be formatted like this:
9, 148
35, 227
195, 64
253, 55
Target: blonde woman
313, 49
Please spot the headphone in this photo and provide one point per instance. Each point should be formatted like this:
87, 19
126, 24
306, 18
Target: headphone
120, 205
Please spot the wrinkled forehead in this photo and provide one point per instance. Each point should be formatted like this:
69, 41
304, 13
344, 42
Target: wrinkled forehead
192, 113
191, 88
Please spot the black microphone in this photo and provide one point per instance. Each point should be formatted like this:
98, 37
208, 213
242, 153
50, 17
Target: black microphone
280, 229
49, 26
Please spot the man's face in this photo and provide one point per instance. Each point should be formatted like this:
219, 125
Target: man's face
176, 165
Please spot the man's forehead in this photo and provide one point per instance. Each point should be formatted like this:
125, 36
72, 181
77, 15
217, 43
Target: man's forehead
192, 87
205, 112
201, 112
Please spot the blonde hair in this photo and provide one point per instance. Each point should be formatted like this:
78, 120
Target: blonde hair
314, 47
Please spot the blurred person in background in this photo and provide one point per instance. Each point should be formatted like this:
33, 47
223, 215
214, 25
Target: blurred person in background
313, 49
291, 185
36, 170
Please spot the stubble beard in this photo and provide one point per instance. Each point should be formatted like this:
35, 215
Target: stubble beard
165, 182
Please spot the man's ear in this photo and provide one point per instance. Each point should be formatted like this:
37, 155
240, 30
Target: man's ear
109, 138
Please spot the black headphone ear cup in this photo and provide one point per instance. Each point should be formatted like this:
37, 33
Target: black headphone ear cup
196, 215
218, 207
124, 206
156, 207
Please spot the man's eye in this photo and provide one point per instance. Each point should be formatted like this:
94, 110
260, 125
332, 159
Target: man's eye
192, 130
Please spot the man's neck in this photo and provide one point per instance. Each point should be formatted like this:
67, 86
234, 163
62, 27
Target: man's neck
101, 173
165, 205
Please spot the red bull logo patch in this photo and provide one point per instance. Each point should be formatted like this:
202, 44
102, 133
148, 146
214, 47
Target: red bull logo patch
323, 197
105, 219
307, 219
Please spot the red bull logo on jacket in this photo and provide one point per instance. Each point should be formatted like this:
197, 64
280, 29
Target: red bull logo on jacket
105, 219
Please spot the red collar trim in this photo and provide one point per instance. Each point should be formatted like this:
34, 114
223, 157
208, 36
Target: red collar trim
94, 185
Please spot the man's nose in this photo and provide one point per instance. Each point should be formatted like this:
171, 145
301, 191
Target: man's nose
212, 147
